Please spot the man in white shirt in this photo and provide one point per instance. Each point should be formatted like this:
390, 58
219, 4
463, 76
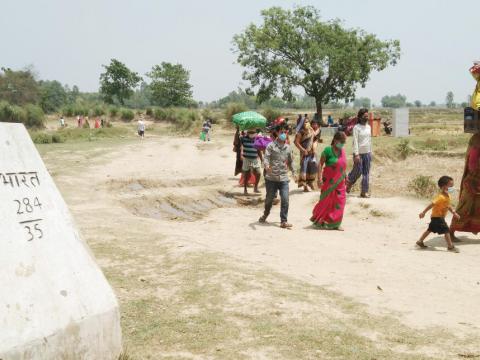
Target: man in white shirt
362, 153
141, 128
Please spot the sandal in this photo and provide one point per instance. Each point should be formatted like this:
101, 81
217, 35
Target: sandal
285, 225
421, 245
263, 219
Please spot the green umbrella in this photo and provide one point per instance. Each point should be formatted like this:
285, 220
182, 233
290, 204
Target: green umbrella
249, 120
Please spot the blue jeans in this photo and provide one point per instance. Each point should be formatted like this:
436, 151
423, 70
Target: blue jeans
361, 168
272, 188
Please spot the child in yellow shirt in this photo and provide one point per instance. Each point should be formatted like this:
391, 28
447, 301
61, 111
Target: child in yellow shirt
440, 206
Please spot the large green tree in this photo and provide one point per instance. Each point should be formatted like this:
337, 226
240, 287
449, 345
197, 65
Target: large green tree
170, 85
117, 82
52, 95
18, 87
295, 48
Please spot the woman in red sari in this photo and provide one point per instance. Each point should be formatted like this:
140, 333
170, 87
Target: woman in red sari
328, 213
469, 203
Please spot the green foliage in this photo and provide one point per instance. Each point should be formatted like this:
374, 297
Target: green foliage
417, 103
35, 116
12, 113
449, 100
271, 114
30, 115
113, 111
149, 111
348, 114
98, 111
183, 118
126, 114
432, 104
296, 49
423, 186
75, 110
47, 138
170, 85
52, 96
394, 101
362, 102
404, 149
117, 82
209, 114
234, 108
18, 87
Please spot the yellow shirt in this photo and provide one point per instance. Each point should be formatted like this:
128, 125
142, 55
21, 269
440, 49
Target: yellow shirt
441, 202
476, 97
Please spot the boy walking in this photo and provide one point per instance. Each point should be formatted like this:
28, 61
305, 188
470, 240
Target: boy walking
440, 206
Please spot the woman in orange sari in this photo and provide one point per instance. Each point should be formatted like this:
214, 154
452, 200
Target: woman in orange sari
469, 203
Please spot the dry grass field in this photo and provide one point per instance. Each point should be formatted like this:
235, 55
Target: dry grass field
197, 277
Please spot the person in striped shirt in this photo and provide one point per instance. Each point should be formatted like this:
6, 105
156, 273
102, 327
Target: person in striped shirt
250, 158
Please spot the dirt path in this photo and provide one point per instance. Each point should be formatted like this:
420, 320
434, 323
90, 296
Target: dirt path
182, 192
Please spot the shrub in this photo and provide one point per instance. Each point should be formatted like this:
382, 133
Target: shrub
209, 114
423, 186
404, 149
41, 138
126, 114
68, 110
98, 111
149, 111
234, 108
271, 114
113, 111
57, 138
12, 113
35, 116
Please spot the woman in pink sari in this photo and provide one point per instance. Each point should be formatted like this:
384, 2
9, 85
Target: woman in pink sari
328, 213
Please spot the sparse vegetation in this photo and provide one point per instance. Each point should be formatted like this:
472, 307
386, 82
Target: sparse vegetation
404, 149
423, 186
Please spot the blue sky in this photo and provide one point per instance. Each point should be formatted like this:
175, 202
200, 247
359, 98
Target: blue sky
70, 40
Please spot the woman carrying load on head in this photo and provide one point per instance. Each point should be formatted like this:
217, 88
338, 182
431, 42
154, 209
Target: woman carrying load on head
328, 212
306, 140
469, 202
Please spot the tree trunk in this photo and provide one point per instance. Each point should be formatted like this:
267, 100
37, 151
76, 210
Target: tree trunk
318, 103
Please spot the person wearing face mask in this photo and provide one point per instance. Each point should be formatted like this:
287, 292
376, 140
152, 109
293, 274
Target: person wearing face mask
277, 161
362, 154
440, 206
328, 212
306, 140
250, 157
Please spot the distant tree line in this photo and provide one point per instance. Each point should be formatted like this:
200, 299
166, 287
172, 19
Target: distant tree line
169, 85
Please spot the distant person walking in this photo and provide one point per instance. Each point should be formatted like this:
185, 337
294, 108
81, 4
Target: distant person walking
141, 128
206, 129
97, 123
332, 171
362, 154
278, 160
62, 121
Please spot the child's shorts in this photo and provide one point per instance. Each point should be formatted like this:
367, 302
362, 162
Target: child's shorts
438, 225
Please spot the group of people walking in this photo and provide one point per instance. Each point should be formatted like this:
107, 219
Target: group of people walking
330, 172
334, 182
